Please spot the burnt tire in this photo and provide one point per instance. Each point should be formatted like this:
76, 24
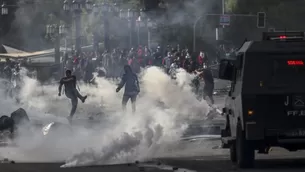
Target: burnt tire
233, 153
20, 116
244, 149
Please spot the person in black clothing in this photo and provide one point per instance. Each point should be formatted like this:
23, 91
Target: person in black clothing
132, 88
208, 84
71, 92
208, 88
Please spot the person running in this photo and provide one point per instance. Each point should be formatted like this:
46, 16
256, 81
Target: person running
132, 88
71, 92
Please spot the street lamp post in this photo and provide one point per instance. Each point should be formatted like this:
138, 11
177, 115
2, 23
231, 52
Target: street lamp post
96, 37
149, 26
141, 22
54, 32
130, 15
194, 32
124, 15
4, 11
107, 11
77, 7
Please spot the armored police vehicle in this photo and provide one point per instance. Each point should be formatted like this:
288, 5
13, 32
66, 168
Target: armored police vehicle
266, 104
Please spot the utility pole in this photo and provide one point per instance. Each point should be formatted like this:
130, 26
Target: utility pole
199, 18
223, 10
213, 14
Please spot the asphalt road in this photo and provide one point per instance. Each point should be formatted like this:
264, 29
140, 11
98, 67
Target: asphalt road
199, 155
188, 156
222, 164
187, 164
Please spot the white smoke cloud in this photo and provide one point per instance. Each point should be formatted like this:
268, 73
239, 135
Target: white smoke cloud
164, 110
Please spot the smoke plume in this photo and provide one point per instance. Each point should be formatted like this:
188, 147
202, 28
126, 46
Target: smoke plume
164, 110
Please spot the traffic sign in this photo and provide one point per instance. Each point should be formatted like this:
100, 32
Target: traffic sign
225, 20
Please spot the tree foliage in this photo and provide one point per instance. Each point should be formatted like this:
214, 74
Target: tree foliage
25, 25
30, 17
281, 15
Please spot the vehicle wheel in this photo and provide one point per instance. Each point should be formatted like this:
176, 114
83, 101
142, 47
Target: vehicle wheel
233, 153
244, 149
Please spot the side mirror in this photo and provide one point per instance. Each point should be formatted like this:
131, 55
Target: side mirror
226, 69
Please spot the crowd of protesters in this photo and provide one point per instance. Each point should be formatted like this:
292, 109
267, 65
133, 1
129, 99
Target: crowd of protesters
127, 64
141, 57
111, 64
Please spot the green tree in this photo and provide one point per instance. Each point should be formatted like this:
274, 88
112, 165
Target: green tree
281, 15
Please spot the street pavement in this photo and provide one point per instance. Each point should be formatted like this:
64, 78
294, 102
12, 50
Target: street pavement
196, 155
279, 161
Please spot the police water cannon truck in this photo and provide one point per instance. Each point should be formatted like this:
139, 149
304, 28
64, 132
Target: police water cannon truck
266, 103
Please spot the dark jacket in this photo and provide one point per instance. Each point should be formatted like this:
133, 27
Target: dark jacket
208, 77
131, 83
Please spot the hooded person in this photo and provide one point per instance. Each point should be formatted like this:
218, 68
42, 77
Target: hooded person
132, 88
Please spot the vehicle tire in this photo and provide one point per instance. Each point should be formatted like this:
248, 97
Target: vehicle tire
20, 116
244, 149
233, 152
